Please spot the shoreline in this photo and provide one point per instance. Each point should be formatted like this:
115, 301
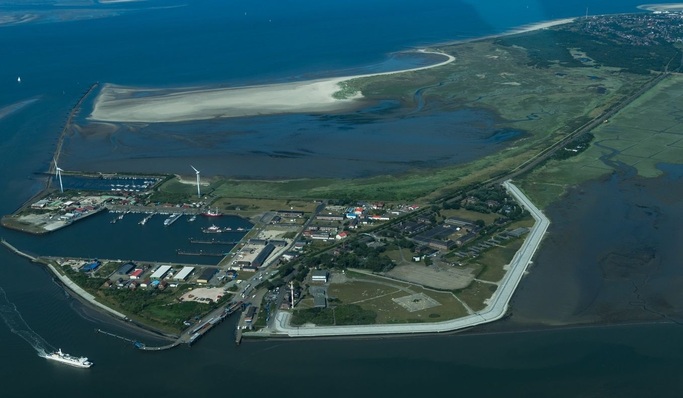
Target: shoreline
88, 299
123, 104
661, 7
496, 309
514, 31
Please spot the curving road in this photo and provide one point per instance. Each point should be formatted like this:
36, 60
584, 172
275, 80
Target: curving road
495, 310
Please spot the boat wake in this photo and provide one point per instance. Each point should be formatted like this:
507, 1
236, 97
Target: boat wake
17, 325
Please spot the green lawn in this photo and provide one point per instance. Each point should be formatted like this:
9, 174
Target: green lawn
475, 294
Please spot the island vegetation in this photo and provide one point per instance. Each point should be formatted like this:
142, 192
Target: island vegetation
433, 244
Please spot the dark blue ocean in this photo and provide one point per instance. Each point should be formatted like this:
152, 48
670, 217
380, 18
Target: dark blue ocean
70, 45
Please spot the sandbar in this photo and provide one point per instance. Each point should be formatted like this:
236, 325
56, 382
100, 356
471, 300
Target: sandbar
663, 7
129, 104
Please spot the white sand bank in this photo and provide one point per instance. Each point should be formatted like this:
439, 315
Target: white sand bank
662, 7
540, 25
127, 104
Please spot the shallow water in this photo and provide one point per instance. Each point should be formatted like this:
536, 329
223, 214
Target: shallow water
612, 254
380, 139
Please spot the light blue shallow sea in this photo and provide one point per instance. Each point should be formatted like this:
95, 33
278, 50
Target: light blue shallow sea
171, 43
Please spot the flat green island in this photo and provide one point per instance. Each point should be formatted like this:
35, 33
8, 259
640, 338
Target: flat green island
432, 245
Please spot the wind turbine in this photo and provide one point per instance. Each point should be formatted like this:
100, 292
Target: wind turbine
199, 192
58, 174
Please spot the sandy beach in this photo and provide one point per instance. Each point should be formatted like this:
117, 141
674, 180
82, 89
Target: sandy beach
128, 104
662, 7
131, 104
521, 29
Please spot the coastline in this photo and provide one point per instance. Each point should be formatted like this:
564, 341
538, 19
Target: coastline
496, 309
515, 31
88, 299
125, 104
661, 7
142, 105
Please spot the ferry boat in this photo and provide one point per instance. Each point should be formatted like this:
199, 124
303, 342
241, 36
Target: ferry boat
212, 213
59, 356
212, 230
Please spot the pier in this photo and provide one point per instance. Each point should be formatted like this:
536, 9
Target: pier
65, 130
173, 218
200, 253
214, 242
17, 251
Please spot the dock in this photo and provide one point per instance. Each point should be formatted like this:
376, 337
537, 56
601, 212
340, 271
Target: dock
200, 253
199, 331
144, 220
173, 218
213, 242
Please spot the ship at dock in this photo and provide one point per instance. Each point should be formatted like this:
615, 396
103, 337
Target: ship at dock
212, 213
79, 362
173, 218
212, 230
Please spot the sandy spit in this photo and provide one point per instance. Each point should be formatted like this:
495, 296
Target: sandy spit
129, 104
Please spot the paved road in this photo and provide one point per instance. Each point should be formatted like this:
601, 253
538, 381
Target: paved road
495, 310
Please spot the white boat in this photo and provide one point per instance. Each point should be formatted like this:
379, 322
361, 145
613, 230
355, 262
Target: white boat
212, 230
59, 356
170, 220
212, 213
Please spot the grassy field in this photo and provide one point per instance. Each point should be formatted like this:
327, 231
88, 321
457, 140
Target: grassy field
475, 294
493, 260
376, 294
547, 103
647, 132
469, 215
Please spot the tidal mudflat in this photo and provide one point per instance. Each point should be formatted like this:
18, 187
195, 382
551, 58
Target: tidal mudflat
379, 139
612, 254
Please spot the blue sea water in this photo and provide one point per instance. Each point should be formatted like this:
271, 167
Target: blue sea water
174, 43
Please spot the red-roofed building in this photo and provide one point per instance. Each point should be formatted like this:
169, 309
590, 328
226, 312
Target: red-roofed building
136, 274
342, 235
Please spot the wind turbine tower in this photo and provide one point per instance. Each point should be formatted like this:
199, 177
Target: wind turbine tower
199, 192
58, 174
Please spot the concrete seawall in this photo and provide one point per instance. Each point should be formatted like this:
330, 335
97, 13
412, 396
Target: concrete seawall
496, 309
66, 281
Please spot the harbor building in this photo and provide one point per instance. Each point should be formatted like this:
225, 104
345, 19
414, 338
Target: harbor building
161, 272
183, 274
206, 275
126, 268
136, 274
263, 256
91, 266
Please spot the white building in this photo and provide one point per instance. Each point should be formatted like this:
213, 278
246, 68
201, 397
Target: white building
183, 274
160, 272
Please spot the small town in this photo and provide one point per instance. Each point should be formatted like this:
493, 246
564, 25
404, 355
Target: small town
325, 262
